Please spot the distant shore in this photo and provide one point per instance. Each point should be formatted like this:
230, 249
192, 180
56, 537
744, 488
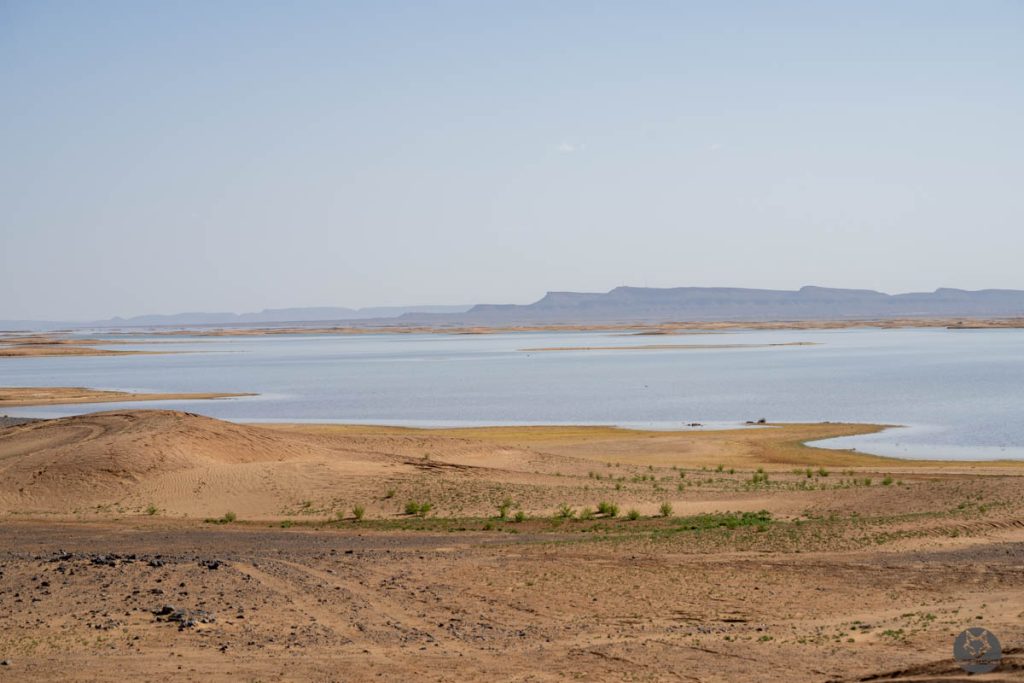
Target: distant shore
649, 328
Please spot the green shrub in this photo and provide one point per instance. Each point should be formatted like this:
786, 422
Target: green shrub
607, 509
565, 512
633, 514
412, 508
520, 516
152, 510
665, 510
358, 511
887, 481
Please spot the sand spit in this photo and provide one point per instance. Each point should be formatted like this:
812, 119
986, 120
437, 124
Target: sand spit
39, 396
31, 345
669, 347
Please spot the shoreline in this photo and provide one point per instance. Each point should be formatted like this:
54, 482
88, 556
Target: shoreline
636, 327
536, 432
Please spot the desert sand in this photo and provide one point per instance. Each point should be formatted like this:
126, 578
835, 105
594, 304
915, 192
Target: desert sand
155, 544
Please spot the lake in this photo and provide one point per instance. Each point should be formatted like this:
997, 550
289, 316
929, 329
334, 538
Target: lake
957, 393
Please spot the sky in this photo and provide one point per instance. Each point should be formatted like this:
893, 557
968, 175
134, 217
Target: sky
235, 156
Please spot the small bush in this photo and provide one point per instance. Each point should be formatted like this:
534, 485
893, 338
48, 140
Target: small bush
425, 508
633, 515
152, 510
607, 509
887, 481
822, 472
412, 508
390, 494
504, 507
665, 510
358, 511
520, 516
565, 512
229, 517
586, 514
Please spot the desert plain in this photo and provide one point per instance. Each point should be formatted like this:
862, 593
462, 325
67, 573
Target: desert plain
161, 545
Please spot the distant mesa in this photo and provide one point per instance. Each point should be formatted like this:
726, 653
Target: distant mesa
643, 304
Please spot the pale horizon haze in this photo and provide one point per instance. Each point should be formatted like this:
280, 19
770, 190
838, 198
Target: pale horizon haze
236, 156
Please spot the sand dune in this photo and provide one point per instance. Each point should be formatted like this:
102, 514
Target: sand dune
188, 465
183, 462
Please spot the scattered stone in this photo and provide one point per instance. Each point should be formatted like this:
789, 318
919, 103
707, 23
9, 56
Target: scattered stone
185, 618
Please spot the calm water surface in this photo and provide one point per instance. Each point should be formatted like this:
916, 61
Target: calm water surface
958, 393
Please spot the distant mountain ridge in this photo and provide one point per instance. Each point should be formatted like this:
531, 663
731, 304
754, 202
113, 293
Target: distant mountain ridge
281, 315
622, 304
267, 316
626, 304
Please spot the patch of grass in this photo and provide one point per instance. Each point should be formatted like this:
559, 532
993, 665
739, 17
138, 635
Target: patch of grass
228, 518
520, 516
728, 520
607, 509
358, 512
633, 515
412, 508
565, 512
887, 481
665, 510
152, 510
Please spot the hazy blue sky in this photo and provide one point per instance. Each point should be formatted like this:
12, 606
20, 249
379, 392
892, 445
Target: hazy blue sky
163, 157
